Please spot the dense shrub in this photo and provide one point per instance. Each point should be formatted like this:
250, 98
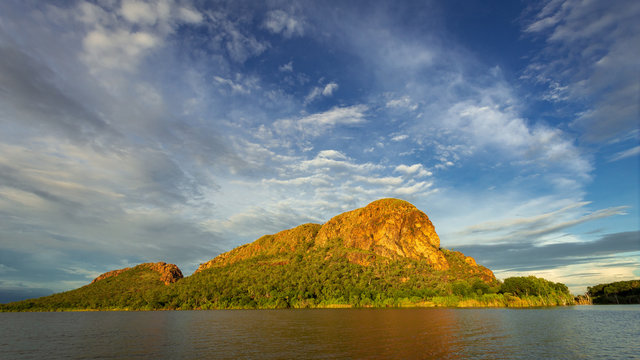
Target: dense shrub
620, 292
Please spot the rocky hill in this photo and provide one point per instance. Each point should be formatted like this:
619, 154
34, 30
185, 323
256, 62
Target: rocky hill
384, 254
386, 228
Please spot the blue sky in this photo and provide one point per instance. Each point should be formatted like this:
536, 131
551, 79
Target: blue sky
135, 131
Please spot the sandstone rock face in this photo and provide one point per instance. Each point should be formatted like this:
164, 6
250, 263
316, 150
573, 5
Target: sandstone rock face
169, 273
282, 242
388, 227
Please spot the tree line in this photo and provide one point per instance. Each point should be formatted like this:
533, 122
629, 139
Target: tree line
619, 292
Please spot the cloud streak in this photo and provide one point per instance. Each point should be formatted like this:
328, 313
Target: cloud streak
536, 227
319, 123
591, 44
524, 256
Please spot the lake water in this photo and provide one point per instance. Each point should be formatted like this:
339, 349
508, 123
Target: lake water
578, 332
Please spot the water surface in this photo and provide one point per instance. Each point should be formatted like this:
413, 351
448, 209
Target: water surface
579, 332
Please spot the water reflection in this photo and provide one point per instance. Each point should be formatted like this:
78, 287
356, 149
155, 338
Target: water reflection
339, 333
572, 333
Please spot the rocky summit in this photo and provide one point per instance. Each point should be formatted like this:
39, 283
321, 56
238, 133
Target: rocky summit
387, 228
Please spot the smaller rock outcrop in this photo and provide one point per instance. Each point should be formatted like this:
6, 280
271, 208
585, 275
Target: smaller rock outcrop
169, 273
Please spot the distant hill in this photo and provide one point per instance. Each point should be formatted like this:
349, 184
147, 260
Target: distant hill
619, 292
384, 254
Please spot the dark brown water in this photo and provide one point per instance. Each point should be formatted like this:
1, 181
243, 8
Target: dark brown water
581, 332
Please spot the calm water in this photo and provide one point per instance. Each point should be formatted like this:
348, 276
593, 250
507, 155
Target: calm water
580, 332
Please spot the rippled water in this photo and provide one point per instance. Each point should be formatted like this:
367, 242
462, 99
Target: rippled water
580, 332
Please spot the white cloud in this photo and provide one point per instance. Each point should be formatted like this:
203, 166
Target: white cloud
403, 102
144, 13
336, 116
317, 124
158, 12
91, 14
118, 49
313, 94
120, 43
325, 91
281, 22
445, 164
400, 137
387, 180
416, 170
625, 154
334, 161
288, 67
329, 89
417, 188
234, 86
190, 15
551, 150
332, 154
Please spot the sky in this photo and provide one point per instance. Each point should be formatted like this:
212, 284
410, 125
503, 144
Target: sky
174, 130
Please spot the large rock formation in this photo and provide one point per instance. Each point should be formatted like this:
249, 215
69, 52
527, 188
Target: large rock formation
169, 273
388, 228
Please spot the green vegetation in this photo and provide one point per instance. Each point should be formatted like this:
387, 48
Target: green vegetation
620, 292
308, 277
531, 287
135, 289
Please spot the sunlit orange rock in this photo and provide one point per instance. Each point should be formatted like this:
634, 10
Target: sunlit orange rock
388, 227
169, 273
